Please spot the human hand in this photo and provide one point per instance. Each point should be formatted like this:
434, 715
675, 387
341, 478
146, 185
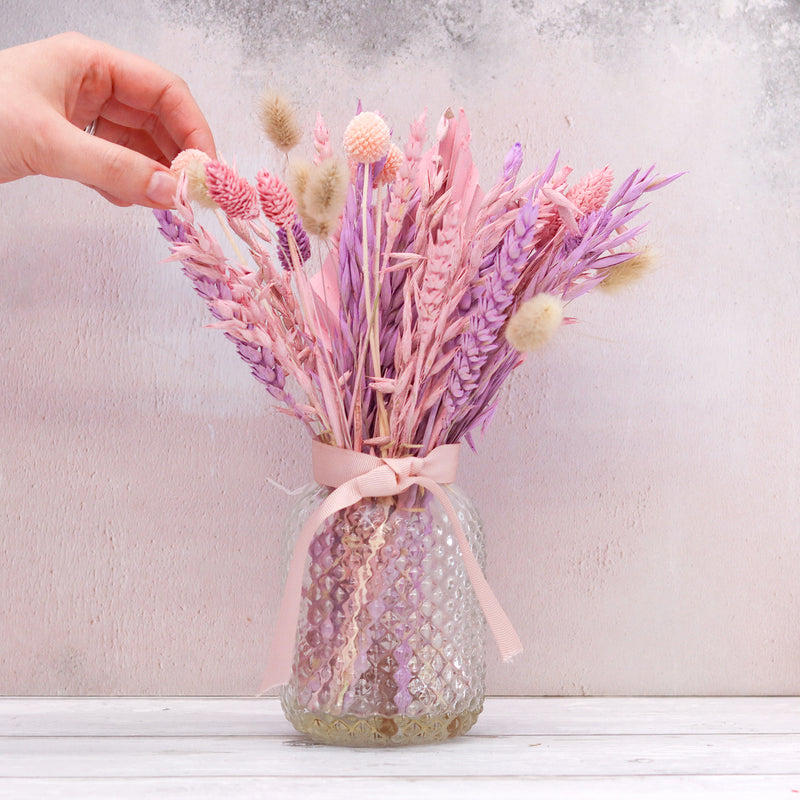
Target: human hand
52, 89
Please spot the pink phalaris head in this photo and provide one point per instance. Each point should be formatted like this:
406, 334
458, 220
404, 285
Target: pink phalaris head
276, 200
590, 193
394, 159
366, 138
233, 194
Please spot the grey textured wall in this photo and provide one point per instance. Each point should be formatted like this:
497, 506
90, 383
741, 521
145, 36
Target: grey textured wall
640, 484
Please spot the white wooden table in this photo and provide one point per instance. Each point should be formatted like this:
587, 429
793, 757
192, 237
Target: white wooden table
572, 748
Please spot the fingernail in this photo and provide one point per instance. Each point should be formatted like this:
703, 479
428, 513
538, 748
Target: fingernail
161, 189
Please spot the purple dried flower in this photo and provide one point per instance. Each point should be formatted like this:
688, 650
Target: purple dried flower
512, 164
301, 240
261, 361
476, 345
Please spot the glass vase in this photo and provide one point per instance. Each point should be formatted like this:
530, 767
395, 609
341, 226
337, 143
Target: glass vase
390, 645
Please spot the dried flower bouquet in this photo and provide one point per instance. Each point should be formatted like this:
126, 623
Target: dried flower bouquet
430, 290
383, 298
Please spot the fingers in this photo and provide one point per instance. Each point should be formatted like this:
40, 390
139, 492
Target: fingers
52, 88
111, 199
123, 175
128, 126
161, 149
144, 86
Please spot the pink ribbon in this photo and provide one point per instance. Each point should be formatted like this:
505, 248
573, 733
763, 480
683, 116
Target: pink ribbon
353, 477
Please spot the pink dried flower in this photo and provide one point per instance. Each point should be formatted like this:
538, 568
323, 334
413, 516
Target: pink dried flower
192, 163
431, 290
404, 190
322, 142
591, 192
394, 159
366, 138
550, 220
232, 193
276, 200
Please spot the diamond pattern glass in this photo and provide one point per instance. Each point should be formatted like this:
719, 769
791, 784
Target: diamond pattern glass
390, 646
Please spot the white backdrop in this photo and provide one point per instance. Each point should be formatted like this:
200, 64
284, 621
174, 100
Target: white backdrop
640, 484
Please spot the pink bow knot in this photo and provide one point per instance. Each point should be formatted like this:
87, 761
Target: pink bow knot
391, 477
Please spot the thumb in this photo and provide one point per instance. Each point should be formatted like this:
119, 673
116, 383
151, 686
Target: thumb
124, 174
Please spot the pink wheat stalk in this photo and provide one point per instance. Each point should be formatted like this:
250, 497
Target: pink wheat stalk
420, 382
322, 142
404, 191
312, 316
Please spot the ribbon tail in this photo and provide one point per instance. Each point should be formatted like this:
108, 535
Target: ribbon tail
508, 642
281, 650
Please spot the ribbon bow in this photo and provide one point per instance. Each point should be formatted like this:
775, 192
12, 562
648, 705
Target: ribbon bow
354, 476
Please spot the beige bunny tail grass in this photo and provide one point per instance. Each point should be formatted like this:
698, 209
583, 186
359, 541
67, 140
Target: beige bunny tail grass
279, 121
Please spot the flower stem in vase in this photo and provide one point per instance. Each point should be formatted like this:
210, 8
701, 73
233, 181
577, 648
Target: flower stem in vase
361, 661
407, 598
333, 662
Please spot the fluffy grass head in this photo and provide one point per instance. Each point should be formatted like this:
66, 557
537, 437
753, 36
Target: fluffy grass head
320, 191
628, 272
535, 322
279, 121
326, 190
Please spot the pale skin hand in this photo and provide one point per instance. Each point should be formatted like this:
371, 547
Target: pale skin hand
52, 89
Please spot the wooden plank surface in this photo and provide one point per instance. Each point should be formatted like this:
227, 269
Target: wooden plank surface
411, 788
513, 756
502, 716
525, 747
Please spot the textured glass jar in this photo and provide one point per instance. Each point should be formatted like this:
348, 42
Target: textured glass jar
390, 646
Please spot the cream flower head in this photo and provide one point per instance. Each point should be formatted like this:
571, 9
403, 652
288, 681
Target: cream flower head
535, 322
366, 138
193, 164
